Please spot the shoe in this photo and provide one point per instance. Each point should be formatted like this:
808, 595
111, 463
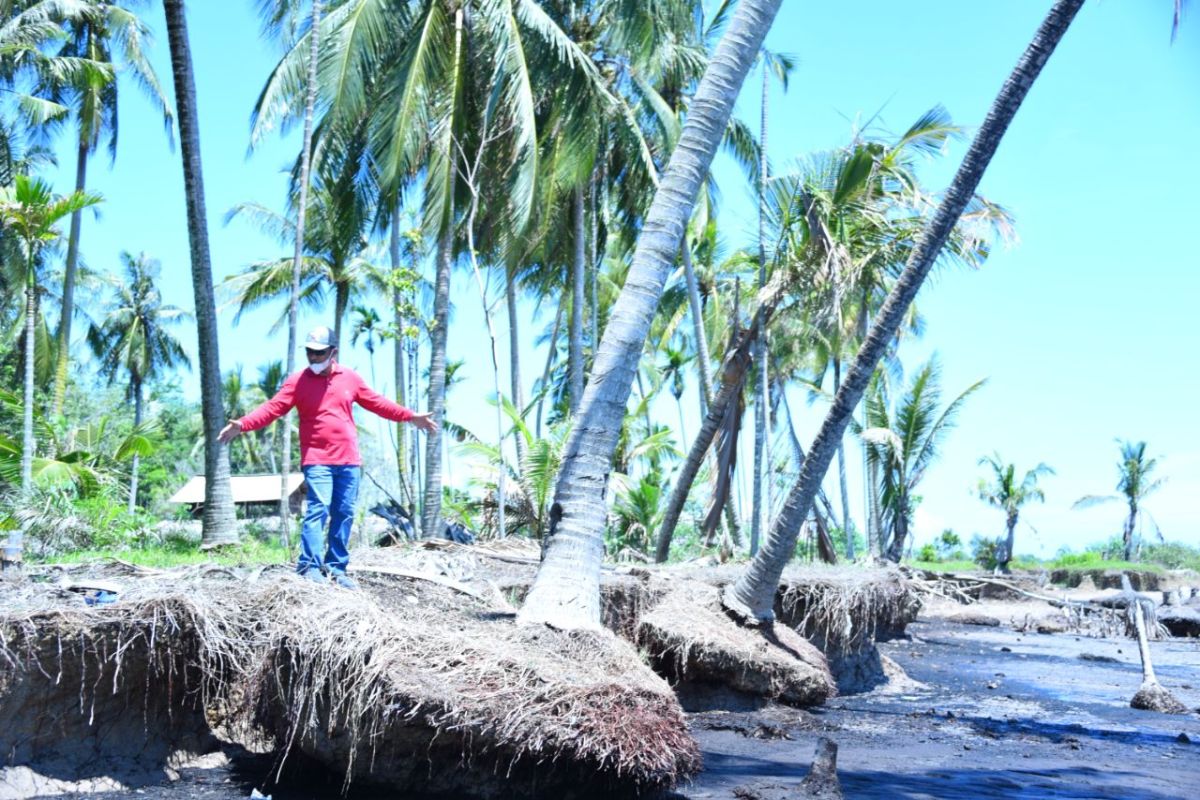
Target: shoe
315, 575
345, 581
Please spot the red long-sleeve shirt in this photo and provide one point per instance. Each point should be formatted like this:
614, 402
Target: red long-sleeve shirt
327, 434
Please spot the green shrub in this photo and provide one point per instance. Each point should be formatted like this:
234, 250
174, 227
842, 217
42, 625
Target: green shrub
985, 552
928, 552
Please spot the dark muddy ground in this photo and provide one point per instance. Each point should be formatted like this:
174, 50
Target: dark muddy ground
999, 714
990, 713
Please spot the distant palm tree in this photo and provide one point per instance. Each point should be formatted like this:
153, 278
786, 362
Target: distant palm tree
109, 38
368, 327
30, 212
903, 442
219, 526
270, 379
1005, 493
133, 339
672, 374
1135, 485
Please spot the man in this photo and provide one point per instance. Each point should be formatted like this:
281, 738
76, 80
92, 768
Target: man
323, 394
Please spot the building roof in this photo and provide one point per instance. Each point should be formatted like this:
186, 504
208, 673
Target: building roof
245, 488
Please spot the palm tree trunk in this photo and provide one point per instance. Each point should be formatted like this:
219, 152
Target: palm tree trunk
752, 596
414, 450
310, 102
594, 258
514, 355
133, 469
798, 456
69, 278
398, 320
341, 301
431, 517
218, 525
1009, 541
703, 359
551, 352
847, 524
16, 538
760, 352
566, 591
900, 532
578, 270
1127, 537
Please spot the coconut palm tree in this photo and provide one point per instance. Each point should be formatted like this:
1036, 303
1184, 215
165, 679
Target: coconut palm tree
781, 66
752, 597
219, 526
336, 242
566, 590
1135, 484
277, 16
1007, 494
133, 340
903, 441
848, 214
270, 379
30, 212
109, 38
369, 327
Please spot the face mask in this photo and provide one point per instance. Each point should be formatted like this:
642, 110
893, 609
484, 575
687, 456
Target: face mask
319, 368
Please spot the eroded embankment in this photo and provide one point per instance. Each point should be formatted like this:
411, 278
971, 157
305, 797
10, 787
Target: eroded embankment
421, 681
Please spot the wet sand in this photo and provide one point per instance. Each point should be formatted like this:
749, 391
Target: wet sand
1000, 714
989, 713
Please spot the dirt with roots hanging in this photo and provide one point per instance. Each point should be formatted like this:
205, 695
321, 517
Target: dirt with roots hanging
213, 682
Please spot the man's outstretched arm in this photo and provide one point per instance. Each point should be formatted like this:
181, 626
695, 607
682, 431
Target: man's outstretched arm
376, 403
262, 416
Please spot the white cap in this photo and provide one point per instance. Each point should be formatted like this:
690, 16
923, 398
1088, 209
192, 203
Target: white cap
319, 339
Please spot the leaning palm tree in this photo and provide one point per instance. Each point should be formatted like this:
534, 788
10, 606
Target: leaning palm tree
902, 443
752, 597
109, 38
1007, 494
566, 592
31, 212
1135, 485
133, 340
219, 527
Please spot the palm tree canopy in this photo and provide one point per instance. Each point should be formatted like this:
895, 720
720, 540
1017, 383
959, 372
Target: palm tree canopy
1134, 482
133, 338
1004, 491
30, 209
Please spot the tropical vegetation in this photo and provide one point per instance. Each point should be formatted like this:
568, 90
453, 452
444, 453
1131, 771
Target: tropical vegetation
561, 157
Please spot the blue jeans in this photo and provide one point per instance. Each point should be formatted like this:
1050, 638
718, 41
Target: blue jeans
332, 492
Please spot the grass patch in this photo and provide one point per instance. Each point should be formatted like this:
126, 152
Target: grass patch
962, 565
182, 552
1107, 564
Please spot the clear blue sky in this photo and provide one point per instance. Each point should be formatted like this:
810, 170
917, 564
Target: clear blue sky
1079, 328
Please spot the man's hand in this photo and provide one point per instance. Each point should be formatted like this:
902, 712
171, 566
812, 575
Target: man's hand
425, 422
230, 432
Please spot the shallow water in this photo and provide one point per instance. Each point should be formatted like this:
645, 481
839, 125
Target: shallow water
1001, 715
